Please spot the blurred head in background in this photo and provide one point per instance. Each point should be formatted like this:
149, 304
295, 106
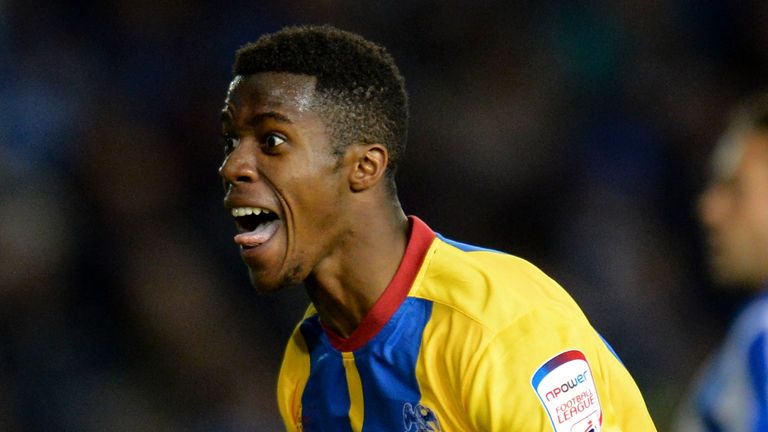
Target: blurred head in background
734, 208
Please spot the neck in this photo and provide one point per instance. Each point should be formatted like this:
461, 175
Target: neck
347, 283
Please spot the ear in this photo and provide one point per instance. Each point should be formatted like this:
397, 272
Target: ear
368, 166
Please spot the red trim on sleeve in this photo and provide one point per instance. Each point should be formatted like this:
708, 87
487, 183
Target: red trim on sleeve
394, 295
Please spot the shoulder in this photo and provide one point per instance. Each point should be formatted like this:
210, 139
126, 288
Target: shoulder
752, 333
491, 288
506, 310
755, 314
504, 330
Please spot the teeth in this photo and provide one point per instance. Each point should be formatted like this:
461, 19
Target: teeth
245, 211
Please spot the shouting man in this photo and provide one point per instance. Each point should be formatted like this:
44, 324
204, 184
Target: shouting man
407, 330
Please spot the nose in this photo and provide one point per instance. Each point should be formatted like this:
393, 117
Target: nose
239, 166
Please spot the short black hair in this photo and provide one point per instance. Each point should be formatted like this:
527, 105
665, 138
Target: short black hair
362, 92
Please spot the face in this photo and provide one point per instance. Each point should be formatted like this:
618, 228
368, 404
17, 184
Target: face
283, 185
734, 211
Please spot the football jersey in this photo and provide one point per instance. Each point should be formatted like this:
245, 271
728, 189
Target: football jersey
462, 339
731, 394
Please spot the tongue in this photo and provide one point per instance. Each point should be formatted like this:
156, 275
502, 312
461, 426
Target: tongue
260, 235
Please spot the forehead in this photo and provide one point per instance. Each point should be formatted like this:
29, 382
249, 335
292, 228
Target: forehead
274, 91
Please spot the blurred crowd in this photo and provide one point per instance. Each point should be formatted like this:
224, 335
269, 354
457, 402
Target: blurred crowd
572, 133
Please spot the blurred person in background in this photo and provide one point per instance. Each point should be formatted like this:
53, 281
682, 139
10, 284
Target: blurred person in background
731, 392
406, 328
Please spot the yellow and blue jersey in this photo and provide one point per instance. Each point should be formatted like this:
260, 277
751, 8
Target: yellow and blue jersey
462, 339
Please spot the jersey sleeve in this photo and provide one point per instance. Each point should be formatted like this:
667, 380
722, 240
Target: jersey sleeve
552, 374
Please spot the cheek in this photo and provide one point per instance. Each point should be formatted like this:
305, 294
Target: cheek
750, 221
756, 192
313, 187
755, 205
316, 205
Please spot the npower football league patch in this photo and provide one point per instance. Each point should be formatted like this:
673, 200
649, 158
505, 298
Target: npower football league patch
567, 390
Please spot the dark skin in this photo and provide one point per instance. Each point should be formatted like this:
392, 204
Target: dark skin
339, 230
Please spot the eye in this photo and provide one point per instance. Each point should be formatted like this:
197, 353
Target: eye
272, 140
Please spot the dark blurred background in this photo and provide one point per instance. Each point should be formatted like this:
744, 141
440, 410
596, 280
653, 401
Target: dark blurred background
572, 133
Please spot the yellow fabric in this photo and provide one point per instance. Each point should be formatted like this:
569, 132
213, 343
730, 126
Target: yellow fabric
290, 386
355, 387
495, 320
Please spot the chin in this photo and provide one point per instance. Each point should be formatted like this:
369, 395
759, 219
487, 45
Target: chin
272, 283
734, 281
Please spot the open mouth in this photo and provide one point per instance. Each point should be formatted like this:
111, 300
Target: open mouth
255, 225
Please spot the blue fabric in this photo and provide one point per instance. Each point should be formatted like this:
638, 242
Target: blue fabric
465, 247
387, 367
758, 368
325, 402
742, 359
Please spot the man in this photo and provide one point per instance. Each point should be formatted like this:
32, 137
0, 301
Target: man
730, 394
407, 330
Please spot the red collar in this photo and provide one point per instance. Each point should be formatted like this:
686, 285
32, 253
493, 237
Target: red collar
421, 237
